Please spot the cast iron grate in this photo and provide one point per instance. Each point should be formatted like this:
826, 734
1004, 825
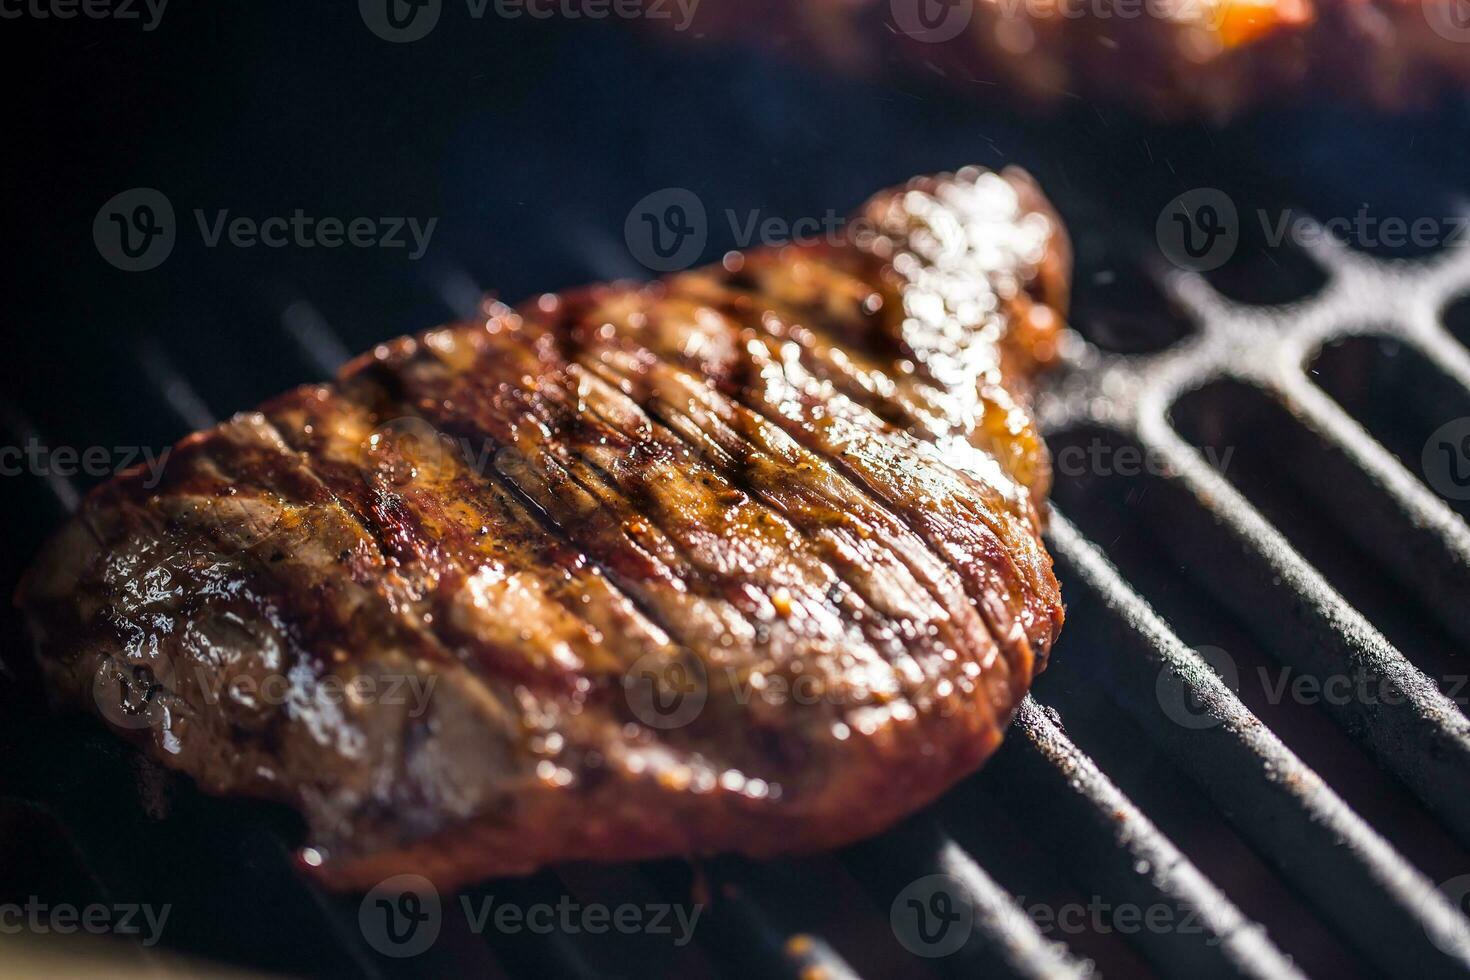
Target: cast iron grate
1360, 885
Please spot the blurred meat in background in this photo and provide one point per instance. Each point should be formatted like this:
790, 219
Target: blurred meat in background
1172, 59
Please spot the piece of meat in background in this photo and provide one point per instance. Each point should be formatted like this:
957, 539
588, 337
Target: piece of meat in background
1173, 59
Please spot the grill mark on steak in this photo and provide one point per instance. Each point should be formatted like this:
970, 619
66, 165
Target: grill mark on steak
881, 630
606, 525
1000, 636
511, 530
620, 581
426, 538
804, 426
753, 474
796, 495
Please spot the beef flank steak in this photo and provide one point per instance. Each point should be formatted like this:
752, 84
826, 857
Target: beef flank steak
747, 559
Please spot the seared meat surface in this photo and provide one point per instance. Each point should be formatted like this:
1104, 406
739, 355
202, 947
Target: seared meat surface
1175, 59
745, 559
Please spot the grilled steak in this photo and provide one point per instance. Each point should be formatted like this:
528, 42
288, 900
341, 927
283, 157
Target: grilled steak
1170, 58
745, 559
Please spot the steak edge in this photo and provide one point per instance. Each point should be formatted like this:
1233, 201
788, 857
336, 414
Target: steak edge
746, 559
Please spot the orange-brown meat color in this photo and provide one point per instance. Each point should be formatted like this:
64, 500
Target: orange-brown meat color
1175, 59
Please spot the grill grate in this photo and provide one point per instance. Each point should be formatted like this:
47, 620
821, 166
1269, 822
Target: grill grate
1358, 882
830, 915
1354, 877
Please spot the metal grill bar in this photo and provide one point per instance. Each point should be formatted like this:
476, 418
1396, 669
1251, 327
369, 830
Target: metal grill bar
1422, 737
1394, 515
306, 327
457, 290
1005, 941
62, 488
765, 946
1418, 733
566, 955
1356, 880
1427, 543
186, 402
1144, 865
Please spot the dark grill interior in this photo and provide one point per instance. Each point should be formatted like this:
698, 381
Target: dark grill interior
1301, 838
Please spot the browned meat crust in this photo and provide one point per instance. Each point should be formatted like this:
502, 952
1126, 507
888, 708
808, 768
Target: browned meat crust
747, 559
1171, 58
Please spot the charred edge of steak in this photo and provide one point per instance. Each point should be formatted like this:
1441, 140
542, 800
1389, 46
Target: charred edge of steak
452, 606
